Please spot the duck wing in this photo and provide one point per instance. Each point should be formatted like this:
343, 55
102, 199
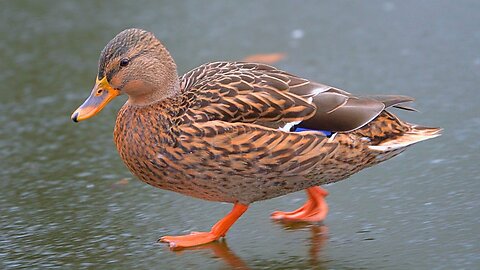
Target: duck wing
250, 150
263, 95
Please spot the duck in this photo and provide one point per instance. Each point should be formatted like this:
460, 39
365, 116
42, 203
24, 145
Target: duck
240, 132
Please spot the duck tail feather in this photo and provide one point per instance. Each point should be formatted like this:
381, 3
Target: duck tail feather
414, 135
394, 100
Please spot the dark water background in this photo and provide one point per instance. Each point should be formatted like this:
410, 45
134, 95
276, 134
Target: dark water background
68, 202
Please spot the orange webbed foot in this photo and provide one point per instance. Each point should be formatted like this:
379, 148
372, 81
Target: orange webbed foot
314, 210
199, 238
189, 240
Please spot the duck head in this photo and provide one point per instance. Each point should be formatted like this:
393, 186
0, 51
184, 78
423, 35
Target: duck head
133, 63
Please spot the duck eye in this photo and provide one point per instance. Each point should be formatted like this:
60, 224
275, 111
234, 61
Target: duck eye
124, 62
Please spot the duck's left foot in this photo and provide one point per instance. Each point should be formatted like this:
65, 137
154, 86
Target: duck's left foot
189, 240
314, 210
199, 238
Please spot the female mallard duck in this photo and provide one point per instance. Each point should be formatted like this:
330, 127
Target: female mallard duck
239, 132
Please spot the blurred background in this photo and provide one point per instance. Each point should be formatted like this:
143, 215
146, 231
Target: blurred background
67, 201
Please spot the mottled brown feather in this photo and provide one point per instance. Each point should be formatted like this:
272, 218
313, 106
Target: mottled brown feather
243, 92
215, 134
241, 162
262, 94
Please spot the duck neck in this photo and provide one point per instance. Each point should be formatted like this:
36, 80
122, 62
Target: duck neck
167, 90
163, 83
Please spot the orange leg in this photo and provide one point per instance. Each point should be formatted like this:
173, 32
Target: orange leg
314, 210
199, 238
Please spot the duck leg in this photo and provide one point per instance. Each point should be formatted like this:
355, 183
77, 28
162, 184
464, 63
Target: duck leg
199, 238
314, 210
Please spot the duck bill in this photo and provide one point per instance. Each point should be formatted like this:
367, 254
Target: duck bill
100, 96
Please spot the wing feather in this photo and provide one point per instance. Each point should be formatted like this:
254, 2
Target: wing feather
244, 92
266, 96
255, 149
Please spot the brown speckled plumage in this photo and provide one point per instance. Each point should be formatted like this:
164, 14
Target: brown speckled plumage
240, 132
218, 139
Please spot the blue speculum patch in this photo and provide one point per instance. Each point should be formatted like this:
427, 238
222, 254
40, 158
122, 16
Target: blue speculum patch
299, 129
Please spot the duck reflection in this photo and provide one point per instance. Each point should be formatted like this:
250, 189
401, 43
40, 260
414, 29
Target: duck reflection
318, 239
220, 249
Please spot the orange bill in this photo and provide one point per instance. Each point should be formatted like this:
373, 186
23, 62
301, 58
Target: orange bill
101, 95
